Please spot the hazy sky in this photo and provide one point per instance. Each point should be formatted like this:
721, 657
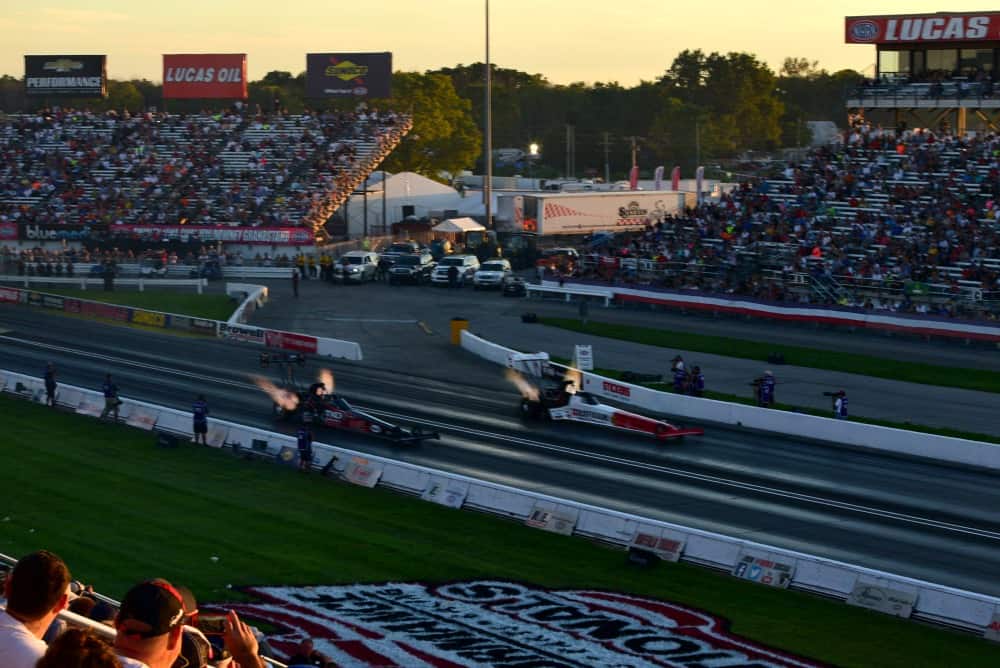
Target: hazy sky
565, 40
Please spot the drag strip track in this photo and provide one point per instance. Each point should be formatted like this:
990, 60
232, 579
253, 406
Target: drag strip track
918, 519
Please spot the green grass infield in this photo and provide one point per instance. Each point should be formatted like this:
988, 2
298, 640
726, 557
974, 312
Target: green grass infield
208, 306
120, 510
879, 367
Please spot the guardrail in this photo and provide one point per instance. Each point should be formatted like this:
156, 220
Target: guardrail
230, 331
873, 437
750, 560
86, 280
570, 291
916, 325
252, 297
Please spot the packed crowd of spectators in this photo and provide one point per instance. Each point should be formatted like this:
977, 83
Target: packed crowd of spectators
933, 84
904, 221
73, 167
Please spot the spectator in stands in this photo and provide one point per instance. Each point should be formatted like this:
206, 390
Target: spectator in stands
79, 648
199, 414
36, 591
50, 384
307, 655
111, 400
150, 622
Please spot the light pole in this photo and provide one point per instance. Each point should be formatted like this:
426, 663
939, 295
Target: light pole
532, 156
488, 186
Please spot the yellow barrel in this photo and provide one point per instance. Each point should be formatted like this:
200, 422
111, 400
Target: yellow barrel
457, 325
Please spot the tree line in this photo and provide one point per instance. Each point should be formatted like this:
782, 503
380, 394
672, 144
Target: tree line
704, 108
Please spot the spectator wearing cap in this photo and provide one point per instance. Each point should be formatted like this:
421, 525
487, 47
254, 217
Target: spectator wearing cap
36, 592
840, 405
150, 623
307, 655
79, 648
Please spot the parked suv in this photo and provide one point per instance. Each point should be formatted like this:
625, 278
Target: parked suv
395, 250
356, 267
492, 274
415, 268
467, 266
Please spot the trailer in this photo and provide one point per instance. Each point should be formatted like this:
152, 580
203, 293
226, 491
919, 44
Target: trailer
549, 214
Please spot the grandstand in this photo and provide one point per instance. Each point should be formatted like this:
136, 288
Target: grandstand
906, 223
67, 167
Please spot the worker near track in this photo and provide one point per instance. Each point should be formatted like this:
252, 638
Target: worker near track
680, 379
326, 267
50, 385
111, 400
304, 439
295, 282
840, 405
696, 383
765, 390
199, 414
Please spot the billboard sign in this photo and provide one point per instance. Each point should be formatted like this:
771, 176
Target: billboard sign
215, 76
72, 76
916, 29
348, 74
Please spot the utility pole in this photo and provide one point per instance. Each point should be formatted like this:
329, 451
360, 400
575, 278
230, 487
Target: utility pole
488, 186
634, 150
607, 163
697, 143
570, 151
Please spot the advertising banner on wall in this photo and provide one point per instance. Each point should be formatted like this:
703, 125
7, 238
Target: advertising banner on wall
917, 29
213, 76
73, 76
276, 236
348, 74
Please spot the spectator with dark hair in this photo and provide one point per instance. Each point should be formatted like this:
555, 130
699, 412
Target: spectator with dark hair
36, 592
79, 648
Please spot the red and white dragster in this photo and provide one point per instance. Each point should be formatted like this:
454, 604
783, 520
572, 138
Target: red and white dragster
562, 404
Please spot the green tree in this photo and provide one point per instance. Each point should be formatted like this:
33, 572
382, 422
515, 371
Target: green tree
444, 137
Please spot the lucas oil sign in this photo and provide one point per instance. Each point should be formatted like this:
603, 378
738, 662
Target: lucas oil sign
499, 624
205, 76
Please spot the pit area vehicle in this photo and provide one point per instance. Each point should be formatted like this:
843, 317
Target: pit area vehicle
561, 404
315, 406
356, 267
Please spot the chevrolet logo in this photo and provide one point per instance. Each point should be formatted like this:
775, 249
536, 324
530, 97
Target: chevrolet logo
63, 65
346, 70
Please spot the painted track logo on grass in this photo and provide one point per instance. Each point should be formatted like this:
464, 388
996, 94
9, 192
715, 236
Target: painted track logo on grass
500, 624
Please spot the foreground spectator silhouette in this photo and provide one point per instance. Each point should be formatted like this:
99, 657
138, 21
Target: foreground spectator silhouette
79, 648
36, 592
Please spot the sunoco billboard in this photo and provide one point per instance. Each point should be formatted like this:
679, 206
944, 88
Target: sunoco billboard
69, 76
348, 74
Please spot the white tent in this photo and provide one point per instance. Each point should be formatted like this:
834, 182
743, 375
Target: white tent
427, 197
459, 225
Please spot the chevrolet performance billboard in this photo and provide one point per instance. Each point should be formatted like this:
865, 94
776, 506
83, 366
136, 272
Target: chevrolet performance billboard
348, 74
70, 76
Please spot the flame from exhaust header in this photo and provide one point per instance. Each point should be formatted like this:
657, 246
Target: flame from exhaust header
527, 388
326, 377
575, 377
284, 398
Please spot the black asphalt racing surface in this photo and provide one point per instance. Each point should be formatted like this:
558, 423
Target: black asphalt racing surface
918, 519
